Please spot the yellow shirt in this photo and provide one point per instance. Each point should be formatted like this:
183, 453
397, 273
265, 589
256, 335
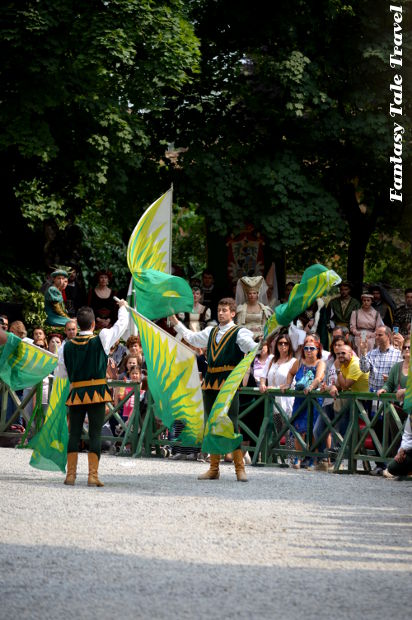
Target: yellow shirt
353, 372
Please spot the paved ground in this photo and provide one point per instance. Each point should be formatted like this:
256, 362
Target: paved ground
157, 543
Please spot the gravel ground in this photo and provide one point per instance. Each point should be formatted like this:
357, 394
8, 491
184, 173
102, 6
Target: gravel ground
157, 543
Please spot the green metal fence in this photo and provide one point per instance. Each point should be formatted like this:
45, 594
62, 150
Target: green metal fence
367, 439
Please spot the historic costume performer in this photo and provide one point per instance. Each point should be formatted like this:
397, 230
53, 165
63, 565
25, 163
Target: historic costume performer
340, 308
226, 345
53, 299
84, 361
251, 312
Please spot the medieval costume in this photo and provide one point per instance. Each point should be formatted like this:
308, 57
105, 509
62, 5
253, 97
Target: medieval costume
252, 314
84, 361
54, 302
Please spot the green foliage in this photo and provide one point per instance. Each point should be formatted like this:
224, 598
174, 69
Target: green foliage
388, 261
189, 240
103, 246
32, 303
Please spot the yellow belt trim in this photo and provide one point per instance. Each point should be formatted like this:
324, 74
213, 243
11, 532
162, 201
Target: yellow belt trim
220, 369
78, 384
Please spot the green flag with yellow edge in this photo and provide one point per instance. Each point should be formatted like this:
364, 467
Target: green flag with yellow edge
316, 281
160, 294
49, 445
23, 364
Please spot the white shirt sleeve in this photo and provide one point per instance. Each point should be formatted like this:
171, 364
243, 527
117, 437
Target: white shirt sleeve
109, 336
245, 340
61, 370
197, 339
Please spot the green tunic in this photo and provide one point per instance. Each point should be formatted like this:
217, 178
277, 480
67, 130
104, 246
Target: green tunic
54, 307
86, 364
222, 357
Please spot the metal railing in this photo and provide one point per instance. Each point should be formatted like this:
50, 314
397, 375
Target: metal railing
367, 437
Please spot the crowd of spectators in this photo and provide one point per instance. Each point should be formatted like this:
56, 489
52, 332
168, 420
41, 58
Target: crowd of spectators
339, 344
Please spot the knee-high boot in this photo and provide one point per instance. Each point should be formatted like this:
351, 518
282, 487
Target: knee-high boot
71, 468
213, 472
239, 465
93, 480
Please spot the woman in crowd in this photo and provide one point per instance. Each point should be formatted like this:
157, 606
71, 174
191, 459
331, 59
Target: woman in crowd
275, 374
55, 342
330, 379
251, 312
364, 322
200, 315
101, 300
308, 373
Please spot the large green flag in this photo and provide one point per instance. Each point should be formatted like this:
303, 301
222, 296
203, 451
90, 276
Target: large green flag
159, 294
50, 443
173, 380
220, 437
23, 364
316, 281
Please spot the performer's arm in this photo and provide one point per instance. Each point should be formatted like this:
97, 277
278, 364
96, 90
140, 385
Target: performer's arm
245, 340
109, 336
197, 339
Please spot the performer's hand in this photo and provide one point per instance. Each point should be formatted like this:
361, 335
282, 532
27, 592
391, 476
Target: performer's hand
173, 320
121, 303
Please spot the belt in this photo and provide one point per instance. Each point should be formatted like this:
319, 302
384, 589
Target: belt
78, 384
219, 369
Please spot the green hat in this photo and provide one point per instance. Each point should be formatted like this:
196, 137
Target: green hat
59, 272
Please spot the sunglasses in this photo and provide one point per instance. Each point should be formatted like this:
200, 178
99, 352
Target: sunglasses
309, 348
406, 348
283, 343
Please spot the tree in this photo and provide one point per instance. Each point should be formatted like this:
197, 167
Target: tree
78, 80
286, 125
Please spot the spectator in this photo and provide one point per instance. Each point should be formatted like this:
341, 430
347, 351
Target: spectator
75, 292
70, 329
53, 299
288, 289
211, 294
4, 322
39, 335
55, 342
308, 373
252, 313
383, 303
18, 329
130, 361
100, 299
403, 314
330, 380
364, 322
200, 315
340, 308
274, 374
378, 363
401, 465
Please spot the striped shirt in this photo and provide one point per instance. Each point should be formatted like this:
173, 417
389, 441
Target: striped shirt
379, 363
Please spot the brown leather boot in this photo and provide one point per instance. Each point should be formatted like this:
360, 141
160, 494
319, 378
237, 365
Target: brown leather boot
71, 468
93, 480
239, 465
213, 472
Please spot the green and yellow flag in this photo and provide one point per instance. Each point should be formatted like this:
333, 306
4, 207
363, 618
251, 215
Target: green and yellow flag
23, 364
173, 380
316, 281
220, 436
49, 445
150, 242
159, 294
